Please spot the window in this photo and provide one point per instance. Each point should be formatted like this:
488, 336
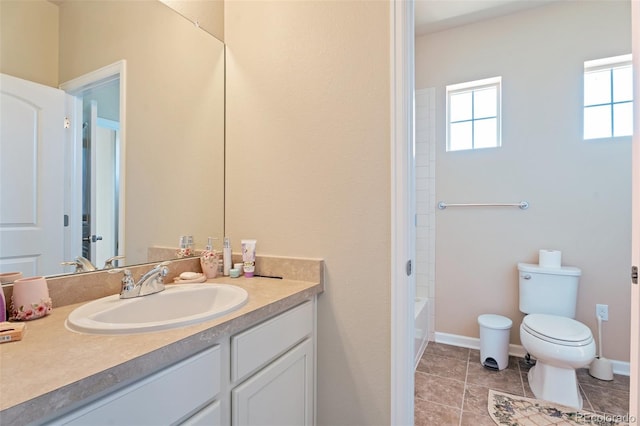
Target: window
473, 115
608, 98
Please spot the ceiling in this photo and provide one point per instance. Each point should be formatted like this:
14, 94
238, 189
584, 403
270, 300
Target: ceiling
437, 15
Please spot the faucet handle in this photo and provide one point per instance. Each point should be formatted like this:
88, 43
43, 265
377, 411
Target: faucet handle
108, 264
162, 269
75, 263
85, 264
128, 284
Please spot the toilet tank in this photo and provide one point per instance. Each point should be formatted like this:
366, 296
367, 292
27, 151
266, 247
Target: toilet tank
548, 290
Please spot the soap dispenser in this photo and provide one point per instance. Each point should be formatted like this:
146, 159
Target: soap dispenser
209, 260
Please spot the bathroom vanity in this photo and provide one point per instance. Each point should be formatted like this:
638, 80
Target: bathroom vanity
255, 365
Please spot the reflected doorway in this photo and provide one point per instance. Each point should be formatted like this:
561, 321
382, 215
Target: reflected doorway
96, 181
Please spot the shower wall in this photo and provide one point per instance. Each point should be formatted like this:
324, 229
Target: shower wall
425, 133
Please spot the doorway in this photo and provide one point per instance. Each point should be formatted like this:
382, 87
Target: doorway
96, 177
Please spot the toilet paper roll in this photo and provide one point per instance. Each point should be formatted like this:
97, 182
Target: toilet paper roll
550, 258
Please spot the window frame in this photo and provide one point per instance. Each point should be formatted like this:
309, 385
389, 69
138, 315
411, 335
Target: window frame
473, 86
610, 64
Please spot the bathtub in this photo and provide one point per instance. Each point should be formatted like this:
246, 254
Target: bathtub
422, 329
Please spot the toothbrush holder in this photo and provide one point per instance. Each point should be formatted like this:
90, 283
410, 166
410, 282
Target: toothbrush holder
30, 299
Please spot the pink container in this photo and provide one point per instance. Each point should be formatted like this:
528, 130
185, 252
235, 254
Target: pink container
30, 299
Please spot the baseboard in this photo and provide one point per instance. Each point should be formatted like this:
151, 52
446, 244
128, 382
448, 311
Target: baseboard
619, 367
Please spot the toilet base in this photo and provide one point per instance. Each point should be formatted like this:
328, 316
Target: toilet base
555, 384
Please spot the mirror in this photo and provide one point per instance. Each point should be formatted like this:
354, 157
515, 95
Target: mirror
173, 120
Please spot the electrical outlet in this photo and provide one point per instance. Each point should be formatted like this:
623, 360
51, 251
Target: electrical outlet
602, 311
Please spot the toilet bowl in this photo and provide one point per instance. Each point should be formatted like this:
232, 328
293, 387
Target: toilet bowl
559, 345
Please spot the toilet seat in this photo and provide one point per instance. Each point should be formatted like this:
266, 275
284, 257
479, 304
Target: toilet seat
556, 329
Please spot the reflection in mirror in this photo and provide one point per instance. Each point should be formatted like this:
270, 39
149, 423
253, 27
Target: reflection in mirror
96, 182
172, 126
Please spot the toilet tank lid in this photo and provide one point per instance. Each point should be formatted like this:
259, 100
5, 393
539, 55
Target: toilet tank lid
537, 269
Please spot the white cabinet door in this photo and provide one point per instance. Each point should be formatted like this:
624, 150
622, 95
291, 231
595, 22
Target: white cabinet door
281, 394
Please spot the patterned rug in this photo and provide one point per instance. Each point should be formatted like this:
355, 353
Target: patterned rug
512, 410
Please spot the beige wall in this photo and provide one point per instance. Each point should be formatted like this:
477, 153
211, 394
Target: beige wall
29, 40
308, 131
174, 114
209, 14
579, 191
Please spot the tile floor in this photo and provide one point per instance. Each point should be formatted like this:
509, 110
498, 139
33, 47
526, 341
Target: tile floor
451, 387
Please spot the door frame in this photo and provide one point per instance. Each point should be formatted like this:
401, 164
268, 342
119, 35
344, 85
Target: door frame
73, 199
402, 211
634, 387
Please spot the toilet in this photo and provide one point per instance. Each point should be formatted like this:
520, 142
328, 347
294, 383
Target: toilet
548, 332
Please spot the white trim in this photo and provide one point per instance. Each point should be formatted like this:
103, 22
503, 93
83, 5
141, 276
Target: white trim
634, 334
472, 343
95, 78
619, 367
108, 124
473, 85
73, 186
402, 207
604, 63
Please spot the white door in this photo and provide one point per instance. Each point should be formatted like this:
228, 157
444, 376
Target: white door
93, 236
101, 235
104, 183
106, 193
634, 406
32, 139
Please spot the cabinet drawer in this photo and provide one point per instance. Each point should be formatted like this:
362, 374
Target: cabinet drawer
208, 416
161, 398
255, 347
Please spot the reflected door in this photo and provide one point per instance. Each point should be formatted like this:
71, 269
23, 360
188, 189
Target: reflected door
101, 183
32, 139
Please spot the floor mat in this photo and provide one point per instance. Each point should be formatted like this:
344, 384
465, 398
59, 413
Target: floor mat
512, 410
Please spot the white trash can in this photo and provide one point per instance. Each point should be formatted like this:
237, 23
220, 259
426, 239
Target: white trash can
494, 341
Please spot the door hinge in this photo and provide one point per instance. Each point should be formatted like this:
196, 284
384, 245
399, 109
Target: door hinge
409, 268
67, 123
634, 274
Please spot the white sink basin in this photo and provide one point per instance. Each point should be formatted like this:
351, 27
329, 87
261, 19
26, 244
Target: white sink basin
176, 306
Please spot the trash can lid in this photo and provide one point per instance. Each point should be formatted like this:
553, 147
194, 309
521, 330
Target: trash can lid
496, 322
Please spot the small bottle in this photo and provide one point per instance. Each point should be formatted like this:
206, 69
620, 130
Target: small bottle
226, 256
209, 260
182, 246
3, 306
190, 245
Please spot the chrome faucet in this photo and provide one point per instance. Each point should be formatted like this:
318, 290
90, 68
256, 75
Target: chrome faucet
150, 283
82, 264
